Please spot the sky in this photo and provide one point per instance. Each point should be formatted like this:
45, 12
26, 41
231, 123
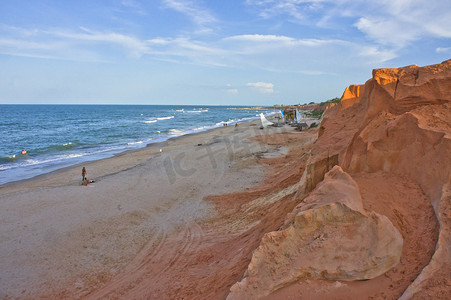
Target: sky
224, 52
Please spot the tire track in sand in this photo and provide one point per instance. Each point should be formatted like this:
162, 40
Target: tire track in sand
192, 238
146, 256
164, 248
151, 250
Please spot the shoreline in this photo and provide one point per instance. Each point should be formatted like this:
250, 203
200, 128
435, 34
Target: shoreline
149, 145
85, 235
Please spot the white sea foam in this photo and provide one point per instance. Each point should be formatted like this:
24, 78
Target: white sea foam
165, 118
221, 123
202, 128
197, 110
37, 164
135, 143
154, 120
73, 155
175, 132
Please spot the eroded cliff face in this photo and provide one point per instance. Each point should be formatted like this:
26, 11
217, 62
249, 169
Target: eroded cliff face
412, 86
330, 238
396, 125
351, 96
409, 134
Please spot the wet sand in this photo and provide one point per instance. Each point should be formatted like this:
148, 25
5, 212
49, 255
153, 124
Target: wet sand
178, 223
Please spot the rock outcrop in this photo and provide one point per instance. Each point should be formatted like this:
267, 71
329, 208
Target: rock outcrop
409, 134
351, 96
397, 123
330, 237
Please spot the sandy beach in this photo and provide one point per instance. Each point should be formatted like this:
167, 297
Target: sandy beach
233, 150
154, 224
357, 208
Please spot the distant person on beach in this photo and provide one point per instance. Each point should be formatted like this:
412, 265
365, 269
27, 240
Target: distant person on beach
83, 175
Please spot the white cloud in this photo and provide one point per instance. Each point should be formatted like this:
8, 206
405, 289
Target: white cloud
159, 41
443, 50
131, 4
260, 38
134, 46
23, 44
388, 32
262, 87
376, 55
277, 53
297, 9
200, 16
303, 56
280, 40
232, 91
134, 6
186, 50
72, 45
389, 23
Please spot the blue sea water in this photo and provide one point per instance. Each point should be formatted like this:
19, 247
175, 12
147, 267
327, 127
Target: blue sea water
57, 136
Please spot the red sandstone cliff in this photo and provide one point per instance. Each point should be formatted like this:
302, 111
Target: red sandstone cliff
391, 138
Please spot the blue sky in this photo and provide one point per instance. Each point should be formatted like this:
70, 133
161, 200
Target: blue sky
248, 52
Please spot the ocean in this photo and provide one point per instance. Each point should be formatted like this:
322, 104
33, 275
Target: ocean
57, 136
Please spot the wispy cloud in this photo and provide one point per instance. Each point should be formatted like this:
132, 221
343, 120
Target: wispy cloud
278, 40
27, 45
232, 91
69, 45
276, 53
304, 56
134, 6
297, 9
202, 17
443, 50
134, 46
262, 87
62, 44
388, 23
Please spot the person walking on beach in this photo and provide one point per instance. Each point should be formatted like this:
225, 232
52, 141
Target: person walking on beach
83, 174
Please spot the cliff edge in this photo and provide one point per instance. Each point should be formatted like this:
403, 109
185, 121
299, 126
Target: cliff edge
374, 202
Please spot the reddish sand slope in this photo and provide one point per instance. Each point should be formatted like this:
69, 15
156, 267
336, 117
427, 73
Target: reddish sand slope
392, 136
358, 209
203, 260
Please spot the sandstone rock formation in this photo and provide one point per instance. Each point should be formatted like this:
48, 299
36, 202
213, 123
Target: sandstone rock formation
351, 95
330, 237
399, 124
409, 134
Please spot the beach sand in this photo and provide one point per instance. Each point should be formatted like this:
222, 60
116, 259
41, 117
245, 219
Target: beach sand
181, 223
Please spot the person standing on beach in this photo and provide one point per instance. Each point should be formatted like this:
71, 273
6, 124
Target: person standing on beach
83, 174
